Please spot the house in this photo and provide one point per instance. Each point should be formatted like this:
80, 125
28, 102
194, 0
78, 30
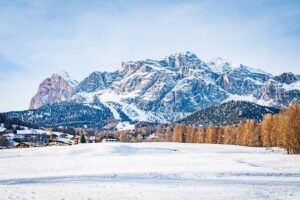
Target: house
33, 137
23, 145
2, 130
64, 135
15, 144
76, 139
53, 136
91, 139
105, 140
59, 143
110, 138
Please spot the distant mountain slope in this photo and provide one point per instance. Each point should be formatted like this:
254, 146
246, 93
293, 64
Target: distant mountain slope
65, 114
232, 112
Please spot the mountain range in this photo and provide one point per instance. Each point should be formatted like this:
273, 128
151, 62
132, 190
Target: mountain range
163, 91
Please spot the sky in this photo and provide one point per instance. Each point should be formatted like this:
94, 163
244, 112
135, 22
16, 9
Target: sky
41, 37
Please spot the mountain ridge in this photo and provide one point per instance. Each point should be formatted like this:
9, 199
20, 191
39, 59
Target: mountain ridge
172, 88
228, 113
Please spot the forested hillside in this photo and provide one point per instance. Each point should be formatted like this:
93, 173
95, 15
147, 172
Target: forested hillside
282, 130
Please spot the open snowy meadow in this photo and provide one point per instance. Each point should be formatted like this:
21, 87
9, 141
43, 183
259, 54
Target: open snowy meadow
149, 171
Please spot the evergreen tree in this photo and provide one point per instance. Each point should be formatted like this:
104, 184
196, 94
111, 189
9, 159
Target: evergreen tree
82, 139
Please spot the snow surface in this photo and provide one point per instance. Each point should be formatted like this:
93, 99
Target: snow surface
235, 97
254, 70
121, 126
149, 171
130, 110
67, 78
293, 86
218, 65
249, 98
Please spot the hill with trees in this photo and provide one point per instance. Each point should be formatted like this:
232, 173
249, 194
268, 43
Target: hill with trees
281, 130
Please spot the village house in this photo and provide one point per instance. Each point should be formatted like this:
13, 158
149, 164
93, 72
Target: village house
59, 143
2, 130
23, 145
75, 139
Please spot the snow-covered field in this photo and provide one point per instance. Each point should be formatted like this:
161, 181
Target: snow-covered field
149, 171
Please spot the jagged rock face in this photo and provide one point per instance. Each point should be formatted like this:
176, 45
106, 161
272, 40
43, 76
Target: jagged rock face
52, 90
181, 83
95, 81
286, 78
277, 94
241, 80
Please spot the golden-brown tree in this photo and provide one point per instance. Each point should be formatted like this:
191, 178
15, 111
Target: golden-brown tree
292, 133
275, 130
266, 128
179, 133
274, 133
200, 136
168, 137
190, 134
251, 133
211, 135
228, 135
220, 135
239, 134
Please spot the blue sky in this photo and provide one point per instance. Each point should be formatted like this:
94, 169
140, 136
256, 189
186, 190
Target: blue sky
40, 37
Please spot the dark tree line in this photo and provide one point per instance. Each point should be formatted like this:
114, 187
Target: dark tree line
8, 123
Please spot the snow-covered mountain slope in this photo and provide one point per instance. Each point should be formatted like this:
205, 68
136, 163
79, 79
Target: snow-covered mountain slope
65, 114
172, 88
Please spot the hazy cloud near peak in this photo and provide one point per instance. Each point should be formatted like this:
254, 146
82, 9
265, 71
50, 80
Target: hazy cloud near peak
40, 37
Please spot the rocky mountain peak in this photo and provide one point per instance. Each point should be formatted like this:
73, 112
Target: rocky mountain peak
96, 81
57, 88
218, 65
65, 76
287, 78
182, 61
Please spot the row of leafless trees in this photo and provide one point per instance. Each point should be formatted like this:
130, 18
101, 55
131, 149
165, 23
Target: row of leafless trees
282, 130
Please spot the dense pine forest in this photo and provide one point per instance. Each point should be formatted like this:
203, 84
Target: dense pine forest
281, 130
